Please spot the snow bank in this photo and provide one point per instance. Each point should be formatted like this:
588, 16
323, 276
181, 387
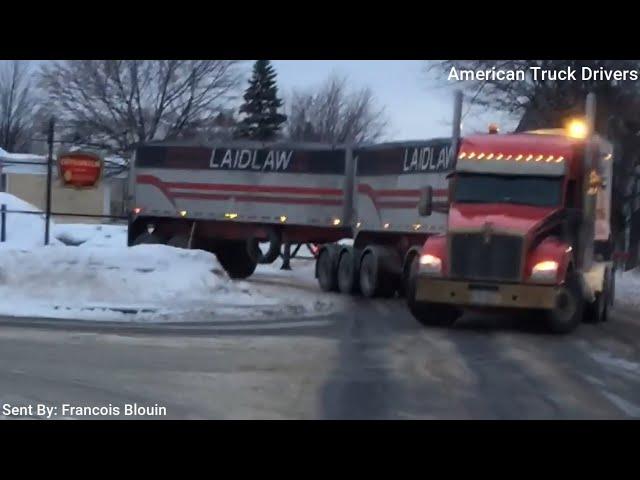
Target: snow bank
89, 235
628, 289
23, 229
146, 283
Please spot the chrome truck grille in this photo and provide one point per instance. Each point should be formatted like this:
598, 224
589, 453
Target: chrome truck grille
476, 256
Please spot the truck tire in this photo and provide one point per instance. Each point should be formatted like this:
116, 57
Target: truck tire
598, 310
374, 281
569, 309
428, 314
327, 269
434, 315
179, 241
348, 281
409, 268
235, 260
147, 238
275, 244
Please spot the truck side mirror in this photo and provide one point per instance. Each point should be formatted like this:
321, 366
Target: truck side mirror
425, 205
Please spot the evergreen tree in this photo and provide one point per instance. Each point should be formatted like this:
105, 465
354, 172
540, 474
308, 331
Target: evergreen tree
262, 120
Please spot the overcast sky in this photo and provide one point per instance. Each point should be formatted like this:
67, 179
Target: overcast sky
418, 106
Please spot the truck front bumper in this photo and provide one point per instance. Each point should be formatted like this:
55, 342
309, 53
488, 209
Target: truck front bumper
484, 294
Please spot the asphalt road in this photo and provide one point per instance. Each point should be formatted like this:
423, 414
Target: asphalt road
372, 361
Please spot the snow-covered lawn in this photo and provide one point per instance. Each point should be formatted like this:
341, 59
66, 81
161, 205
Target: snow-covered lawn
89, 273
149, 283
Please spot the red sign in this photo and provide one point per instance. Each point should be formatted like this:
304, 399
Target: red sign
79, 169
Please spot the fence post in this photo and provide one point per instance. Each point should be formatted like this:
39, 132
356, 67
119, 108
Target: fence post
49, 179
3, 223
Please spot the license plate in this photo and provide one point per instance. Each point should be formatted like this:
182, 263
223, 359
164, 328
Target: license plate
484, 297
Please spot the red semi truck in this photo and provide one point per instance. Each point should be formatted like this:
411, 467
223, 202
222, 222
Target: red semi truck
528, 230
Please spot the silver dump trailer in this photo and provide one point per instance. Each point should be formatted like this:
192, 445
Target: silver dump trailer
228, 198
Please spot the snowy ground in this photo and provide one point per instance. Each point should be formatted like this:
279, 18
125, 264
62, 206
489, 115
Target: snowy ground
628, 289
89, 273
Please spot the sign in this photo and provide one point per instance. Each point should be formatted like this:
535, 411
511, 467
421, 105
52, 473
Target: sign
80, 169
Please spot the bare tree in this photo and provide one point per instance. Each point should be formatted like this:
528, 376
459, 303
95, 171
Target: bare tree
335, 114
118, 103
16, 105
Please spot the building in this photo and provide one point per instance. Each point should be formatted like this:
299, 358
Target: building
25, 176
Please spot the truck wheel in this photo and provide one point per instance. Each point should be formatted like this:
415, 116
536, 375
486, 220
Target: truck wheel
147, 238
428, 314
326, 270
434, 315
235, 260
410, 269
598, 311
347, 272
569, 309
179, 241
373, 281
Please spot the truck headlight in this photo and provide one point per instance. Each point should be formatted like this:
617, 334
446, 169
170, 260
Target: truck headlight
430, 264
546, 271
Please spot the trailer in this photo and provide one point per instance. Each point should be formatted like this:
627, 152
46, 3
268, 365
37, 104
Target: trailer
229, 198
528, 230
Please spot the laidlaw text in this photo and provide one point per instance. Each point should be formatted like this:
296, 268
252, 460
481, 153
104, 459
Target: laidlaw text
229, 159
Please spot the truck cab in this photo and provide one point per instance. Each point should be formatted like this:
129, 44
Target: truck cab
528, 229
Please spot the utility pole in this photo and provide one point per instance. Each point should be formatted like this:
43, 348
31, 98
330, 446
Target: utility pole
50, 140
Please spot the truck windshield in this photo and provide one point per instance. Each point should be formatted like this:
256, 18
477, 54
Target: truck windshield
521, 190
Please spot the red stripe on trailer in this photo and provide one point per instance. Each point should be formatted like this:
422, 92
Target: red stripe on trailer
166, 189
256, 199
226, 187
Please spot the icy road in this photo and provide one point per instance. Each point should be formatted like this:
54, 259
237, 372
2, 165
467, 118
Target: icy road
371, 361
